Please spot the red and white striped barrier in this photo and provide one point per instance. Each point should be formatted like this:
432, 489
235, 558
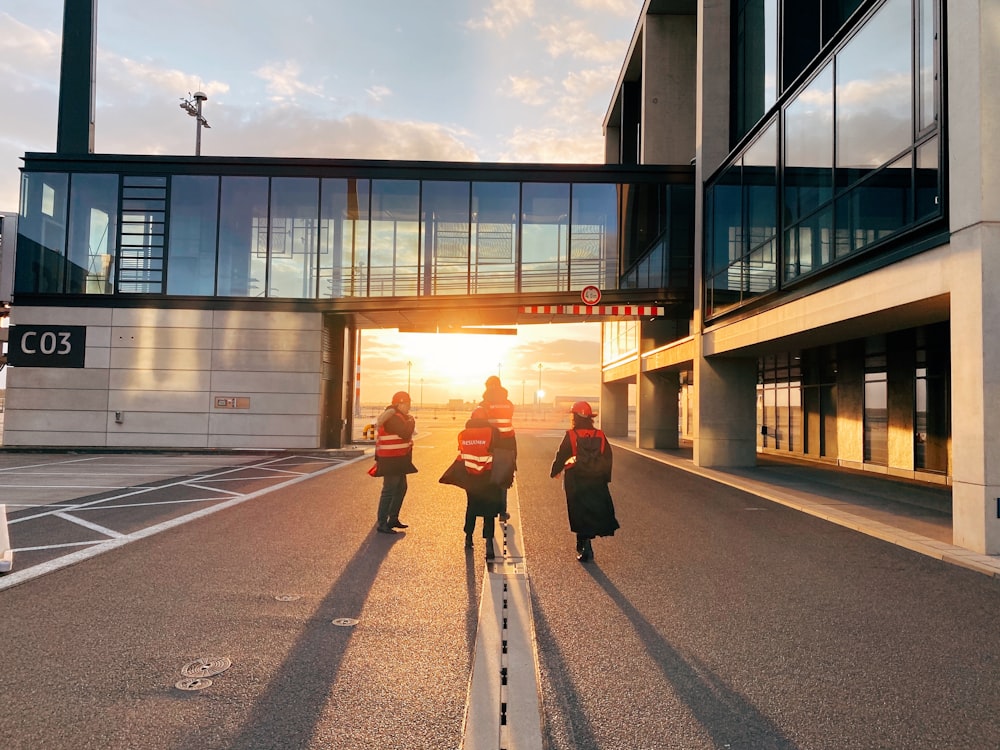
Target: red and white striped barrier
637, 311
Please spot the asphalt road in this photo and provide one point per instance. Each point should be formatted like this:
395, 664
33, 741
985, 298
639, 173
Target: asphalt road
712, 619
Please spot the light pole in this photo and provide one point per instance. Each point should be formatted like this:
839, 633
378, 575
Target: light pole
409, 367
421, 393
195, 111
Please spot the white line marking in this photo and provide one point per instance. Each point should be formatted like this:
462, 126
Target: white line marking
88, 525
13, 579
60, 546
53, 463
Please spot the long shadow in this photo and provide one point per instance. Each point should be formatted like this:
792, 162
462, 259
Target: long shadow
563, 691
287, 714
472, 611
727, 716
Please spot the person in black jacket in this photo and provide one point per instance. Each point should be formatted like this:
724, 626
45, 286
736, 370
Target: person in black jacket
500, 412
484, 497
584, 456
393, 460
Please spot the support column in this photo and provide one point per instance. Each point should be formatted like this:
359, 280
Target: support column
614, 409
725, 414
974, 195
75, 125
657, 409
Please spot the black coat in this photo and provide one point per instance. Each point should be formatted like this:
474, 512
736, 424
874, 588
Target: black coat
588, 500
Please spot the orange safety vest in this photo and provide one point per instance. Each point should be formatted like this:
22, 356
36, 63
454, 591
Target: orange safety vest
389, 444
501, 416
474, 449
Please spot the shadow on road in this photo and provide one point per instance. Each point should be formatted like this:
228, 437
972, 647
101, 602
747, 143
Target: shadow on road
287, 714
727, 716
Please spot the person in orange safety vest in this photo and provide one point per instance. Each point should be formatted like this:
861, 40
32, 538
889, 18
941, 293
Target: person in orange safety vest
476, 444
584, 459
393, 460
500, 412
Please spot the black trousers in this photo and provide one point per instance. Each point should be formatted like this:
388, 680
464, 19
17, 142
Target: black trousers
489, 524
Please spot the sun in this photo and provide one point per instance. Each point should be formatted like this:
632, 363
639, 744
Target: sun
459, 360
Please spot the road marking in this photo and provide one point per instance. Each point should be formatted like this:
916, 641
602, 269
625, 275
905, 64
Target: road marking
88, 525
99, 548
501, 709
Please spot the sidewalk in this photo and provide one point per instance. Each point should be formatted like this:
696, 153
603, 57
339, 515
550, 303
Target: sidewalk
910, 514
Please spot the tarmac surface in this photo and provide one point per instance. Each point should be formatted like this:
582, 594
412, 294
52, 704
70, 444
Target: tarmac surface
723, 614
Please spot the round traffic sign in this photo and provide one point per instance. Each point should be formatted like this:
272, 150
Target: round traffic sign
590, 295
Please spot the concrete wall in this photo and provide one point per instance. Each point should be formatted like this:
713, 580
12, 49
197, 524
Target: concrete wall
153, 377
668, 96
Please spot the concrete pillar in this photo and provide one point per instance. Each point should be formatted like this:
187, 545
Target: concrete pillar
850, 404
75, 126
726, 411
974, 192
614, 409
657, 409
668, 97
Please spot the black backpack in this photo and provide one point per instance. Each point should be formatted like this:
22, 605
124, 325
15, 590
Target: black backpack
592, 460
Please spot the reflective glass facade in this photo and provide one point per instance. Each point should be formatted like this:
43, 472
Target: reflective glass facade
291, 236
843, 164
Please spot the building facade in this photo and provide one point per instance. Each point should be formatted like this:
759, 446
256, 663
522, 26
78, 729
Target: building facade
847, 244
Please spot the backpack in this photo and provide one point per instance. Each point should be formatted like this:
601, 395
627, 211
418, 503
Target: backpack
592, 460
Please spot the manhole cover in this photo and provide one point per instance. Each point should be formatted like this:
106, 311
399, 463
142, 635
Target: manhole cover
197, 683
288, 597
345, 622
206, 667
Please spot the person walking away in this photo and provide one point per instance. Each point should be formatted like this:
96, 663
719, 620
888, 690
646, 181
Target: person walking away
393, 460
584, 459
500, 412
476, 444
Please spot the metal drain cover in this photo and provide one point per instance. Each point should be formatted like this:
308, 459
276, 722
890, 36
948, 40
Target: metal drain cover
206, 667
197, 683
288, 597
345, 622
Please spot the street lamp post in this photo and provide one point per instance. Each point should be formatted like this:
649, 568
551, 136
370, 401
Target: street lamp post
409, 368
195, 111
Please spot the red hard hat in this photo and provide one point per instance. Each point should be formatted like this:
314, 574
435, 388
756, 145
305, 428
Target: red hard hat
400, 397
480, 412
582, 409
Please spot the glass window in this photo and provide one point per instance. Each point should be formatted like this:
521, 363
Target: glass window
876, 407
93, 229
928, 190
343, 250
395, 238
194, 225
41, 233
725, 220
643, 207
445, 232
494, 236
808, 168
756, 62
243, 237
594, 237
876, 208
875, 92
294, 237
926, 79
544, 237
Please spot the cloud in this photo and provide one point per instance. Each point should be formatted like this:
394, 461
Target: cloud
526, 89
625, 8
572, 37
549, 145
503, 15
378, 93
284, 83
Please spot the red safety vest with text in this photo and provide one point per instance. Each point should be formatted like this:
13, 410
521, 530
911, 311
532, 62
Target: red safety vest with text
389, 444
501, 416
474, 449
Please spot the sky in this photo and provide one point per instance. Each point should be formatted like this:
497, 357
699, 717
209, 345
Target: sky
449, 80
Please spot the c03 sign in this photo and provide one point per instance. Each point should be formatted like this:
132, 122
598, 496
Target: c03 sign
47, 346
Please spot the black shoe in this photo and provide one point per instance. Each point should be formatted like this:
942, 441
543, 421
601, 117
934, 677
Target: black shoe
505, 517
468, 541
490, 552
586, 551
397, 524
383, 529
